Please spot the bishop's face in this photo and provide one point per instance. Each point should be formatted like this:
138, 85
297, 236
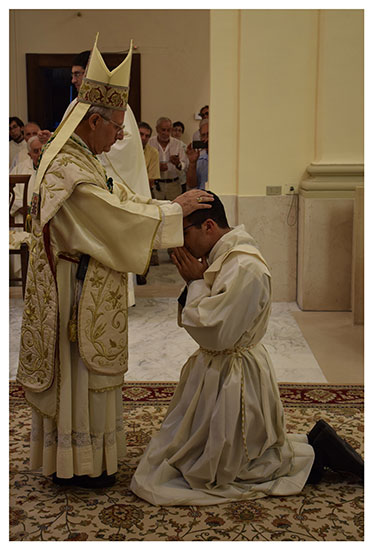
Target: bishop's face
107, 132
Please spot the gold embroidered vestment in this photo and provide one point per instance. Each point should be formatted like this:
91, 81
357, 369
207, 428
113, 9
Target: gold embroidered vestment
102, 312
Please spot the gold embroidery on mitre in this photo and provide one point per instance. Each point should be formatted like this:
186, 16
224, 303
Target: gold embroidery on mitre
39, 324
103, 320
103, 95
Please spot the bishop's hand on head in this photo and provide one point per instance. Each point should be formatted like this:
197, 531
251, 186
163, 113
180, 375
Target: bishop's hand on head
192, 200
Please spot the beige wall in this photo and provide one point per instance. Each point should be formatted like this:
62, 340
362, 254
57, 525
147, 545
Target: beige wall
340, 110
287, 110
286, 91
174, 47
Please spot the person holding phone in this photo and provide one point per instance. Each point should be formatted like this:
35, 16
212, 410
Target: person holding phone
197, 152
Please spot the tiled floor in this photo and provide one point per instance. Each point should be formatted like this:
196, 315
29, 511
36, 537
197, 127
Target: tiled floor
158, 347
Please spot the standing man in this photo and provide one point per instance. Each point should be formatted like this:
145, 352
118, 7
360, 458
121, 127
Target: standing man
177, 132
178, 129
80, 62
204, 114
172, 161
87, 233
150, 153
224, 435
17, 141
198, 170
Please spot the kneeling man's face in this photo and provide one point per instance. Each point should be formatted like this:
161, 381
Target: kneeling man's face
196, 239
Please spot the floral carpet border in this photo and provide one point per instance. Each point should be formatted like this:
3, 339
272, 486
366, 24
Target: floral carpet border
292, 395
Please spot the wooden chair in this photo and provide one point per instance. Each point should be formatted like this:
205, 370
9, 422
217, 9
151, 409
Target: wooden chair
19, 225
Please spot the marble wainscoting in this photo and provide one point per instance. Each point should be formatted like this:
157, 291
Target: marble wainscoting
325, 253
272, 221
327, 198
158, 348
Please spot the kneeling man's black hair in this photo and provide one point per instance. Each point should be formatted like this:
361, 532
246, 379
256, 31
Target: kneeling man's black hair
216, 213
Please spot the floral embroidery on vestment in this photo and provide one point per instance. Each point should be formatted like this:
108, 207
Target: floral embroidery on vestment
102, 317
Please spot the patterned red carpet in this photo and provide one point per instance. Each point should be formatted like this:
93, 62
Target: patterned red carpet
330, 511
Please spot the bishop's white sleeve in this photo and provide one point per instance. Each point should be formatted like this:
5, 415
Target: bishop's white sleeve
117, 231
170, 231
217, 316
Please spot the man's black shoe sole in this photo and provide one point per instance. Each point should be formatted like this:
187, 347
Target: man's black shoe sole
334, 452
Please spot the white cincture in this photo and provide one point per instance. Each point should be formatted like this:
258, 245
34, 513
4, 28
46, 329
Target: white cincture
237, 352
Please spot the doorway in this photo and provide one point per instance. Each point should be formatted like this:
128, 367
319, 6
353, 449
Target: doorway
49, 88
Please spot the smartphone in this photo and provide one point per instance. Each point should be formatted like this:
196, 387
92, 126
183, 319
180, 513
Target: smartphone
198, 145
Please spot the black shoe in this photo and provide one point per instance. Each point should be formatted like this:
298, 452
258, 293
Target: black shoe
99, 482
62, 481
140, 280
318, 428
333, 452
317, 471
154, 260
316, 474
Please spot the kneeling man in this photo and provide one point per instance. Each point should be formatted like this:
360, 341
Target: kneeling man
223, 437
